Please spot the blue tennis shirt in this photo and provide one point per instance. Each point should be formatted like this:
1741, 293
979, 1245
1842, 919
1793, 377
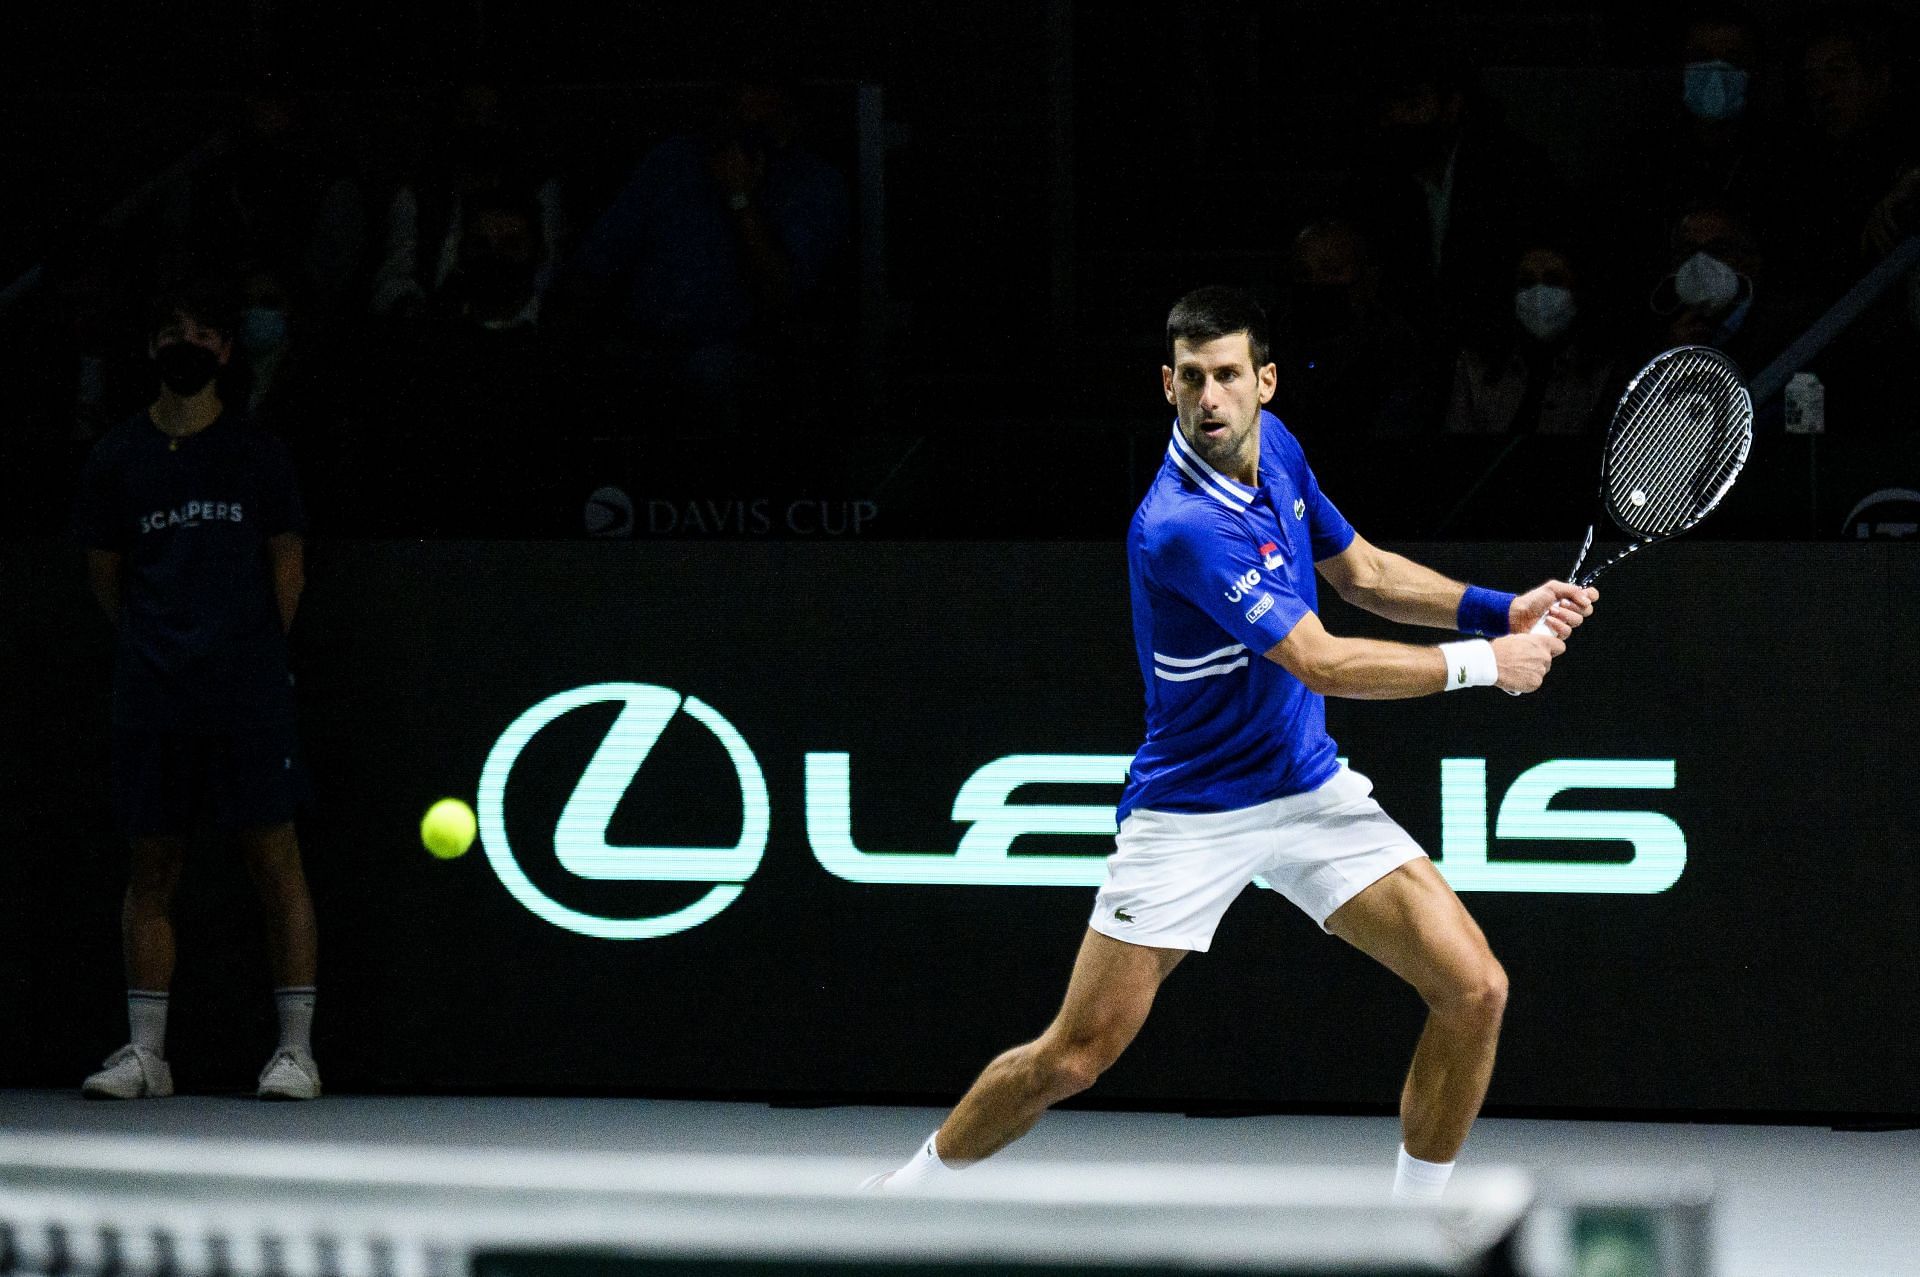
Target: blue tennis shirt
1220, 572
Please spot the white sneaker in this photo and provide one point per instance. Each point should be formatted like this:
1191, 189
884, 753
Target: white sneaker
875, 1183
290, 1075
131, 1073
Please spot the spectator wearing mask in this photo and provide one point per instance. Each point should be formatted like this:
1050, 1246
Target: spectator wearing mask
264, 341
1717, 292
499, 274
479, 155
1448, 189
476, 390
1348, 364
721, 248
276, 197
1714, 142
1544, 369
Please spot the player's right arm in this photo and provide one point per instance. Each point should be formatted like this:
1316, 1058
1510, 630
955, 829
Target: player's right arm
1207, 559
103, 575
1374, 670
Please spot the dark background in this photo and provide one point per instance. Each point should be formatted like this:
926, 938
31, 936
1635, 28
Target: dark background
966, 450
1770, 982
1051, 176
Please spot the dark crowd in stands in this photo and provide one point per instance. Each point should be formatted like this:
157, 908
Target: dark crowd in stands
462, 334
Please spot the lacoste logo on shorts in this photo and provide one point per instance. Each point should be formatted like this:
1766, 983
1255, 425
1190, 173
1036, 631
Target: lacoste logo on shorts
1123, 915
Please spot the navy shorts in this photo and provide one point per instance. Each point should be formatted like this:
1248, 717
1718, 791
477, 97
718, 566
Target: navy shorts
167, 782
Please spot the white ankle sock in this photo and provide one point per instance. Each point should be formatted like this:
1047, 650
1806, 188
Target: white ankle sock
920, 1168
295, 1004
147, 1019
1418, 1181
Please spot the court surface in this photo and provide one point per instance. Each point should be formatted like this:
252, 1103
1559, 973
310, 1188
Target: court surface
1788, 1200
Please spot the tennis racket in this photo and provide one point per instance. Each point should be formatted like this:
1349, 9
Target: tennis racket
1677, 441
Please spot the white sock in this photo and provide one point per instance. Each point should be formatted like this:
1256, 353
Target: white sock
1418, 1181
147, 1019
295, 1004
920, 1168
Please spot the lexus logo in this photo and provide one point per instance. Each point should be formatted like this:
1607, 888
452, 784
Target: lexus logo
986, 804
580, 838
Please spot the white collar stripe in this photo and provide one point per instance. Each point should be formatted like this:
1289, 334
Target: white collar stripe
1187, 662
1233, 487
1211, 671
1201, 480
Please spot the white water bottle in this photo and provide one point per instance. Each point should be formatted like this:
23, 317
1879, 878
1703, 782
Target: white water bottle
1806, 402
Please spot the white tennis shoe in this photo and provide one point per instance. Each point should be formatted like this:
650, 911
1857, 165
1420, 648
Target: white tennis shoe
131, 1073
290, 1075
875, 1183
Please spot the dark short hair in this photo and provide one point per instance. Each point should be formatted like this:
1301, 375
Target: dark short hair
208, 301
1206, 314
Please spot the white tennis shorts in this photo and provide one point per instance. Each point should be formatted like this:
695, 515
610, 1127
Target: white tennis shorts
1172, 874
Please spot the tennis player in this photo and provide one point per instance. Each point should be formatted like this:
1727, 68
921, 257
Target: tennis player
1238, 777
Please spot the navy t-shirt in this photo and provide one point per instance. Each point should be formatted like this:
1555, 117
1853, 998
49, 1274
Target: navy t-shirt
201, 646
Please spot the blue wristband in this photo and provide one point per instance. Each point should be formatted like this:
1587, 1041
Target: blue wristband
1488, 613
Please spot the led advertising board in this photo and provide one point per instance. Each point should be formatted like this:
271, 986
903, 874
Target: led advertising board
824, 822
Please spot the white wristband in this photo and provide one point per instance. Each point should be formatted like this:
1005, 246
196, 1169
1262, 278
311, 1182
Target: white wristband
1470, 663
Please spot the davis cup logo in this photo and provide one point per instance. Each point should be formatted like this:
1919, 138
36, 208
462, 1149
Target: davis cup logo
580, 838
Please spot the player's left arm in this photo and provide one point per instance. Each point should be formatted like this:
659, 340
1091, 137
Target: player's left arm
1395, 587
287, 555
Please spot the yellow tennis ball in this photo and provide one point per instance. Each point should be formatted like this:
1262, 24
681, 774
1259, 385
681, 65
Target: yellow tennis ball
447, 829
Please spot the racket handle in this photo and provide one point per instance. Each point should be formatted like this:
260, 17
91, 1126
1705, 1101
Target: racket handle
1539, 627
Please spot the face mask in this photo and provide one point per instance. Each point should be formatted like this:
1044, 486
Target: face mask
185, 367
263, 328
1714, 90
1704, 280
1545, 310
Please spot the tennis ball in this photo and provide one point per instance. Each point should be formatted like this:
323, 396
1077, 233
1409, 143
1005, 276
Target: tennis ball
447, 828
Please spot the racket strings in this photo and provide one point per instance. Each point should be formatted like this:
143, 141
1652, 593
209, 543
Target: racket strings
1678, 442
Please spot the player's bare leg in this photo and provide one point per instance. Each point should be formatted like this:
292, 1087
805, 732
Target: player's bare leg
146, 912
139, 1069
1412, 922
273, 862
1108, 997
